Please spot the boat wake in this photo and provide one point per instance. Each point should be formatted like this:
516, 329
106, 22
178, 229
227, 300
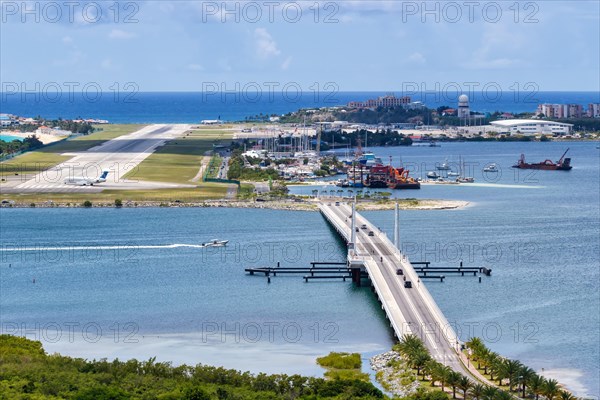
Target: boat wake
506, 186
9, 248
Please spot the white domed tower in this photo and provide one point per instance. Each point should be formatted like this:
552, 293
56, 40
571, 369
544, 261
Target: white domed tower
463, 106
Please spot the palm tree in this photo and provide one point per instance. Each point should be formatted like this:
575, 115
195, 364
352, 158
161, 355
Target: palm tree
482, 359
502, 395
564, 395
489, 392
419, 360
477, 349
536, 385
475, 344
511, 369
465, 384
453, 379
525, 375
477, 391
494, 363
444, 374
432, 368
409, 344
551, 389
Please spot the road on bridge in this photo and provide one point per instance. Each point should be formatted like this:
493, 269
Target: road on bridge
416, 314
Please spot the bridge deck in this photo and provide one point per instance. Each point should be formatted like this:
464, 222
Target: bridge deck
410, 310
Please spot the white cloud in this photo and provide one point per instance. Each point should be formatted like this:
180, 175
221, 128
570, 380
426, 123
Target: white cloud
286, 64
120, 34
224, 65
417, 58
498, 42
67, 40
70, 59
265, 44
195, 67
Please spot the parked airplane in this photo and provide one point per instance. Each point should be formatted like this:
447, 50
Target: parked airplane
81, 181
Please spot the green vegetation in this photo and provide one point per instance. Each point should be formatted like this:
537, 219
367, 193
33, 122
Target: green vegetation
27, 372
48, 156
213, 167
16, 146
513, 378
84, 128
379, 115
379, 138
246, 191
184, 195
118, 203
179, 160
238, 171
344, 366
512, 375
340, 361
87, 204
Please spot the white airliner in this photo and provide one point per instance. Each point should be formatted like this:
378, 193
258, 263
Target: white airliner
81, 181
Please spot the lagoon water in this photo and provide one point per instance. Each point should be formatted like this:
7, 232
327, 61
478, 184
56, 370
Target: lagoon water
112, 283
9, 138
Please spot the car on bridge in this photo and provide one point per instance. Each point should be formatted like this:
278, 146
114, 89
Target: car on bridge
399, 271
371, 233
408, 284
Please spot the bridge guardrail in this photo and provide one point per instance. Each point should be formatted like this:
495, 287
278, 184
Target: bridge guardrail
447, 329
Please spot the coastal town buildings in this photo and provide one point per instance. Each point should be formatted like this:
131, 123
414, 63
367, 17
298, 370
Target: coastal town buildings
568, 110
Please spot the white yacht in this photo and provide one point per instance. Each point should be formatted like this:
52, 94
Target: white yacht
490, 168
216, 243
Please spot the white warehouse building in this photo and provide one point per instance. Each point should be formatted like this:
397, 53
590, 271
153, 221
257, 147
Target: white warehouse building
532, 127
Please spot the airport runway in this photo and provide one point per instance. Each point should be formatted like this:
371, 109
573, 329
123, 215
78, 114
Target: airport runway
118, 156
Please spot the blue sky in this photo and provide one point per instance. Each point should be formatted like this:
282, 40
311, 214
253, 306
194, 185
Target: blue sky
364, 45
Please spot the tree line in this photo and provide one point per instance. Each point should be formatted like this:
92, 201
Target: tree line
16, 146
27, 372
518, 378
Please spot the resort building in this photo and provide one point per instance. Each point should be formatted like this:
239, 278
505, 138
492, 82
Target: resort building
531, 127
383, 101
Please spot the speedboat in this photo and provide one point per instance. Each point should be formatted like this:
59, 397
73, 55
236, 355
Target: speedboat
216, 243
432, 175
465, 179
491, 168
452, 173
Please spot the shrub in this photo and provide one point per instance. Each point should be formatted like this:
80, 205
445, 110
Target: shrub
87, 204
340, 360
118, 203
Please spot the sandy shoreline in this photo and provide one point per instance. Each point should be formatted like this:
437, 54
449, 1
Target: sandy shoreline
44, 138
429, 204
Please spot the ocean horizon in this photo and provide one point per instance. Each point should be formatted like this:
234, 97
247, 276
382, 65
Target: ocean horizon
193, 107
